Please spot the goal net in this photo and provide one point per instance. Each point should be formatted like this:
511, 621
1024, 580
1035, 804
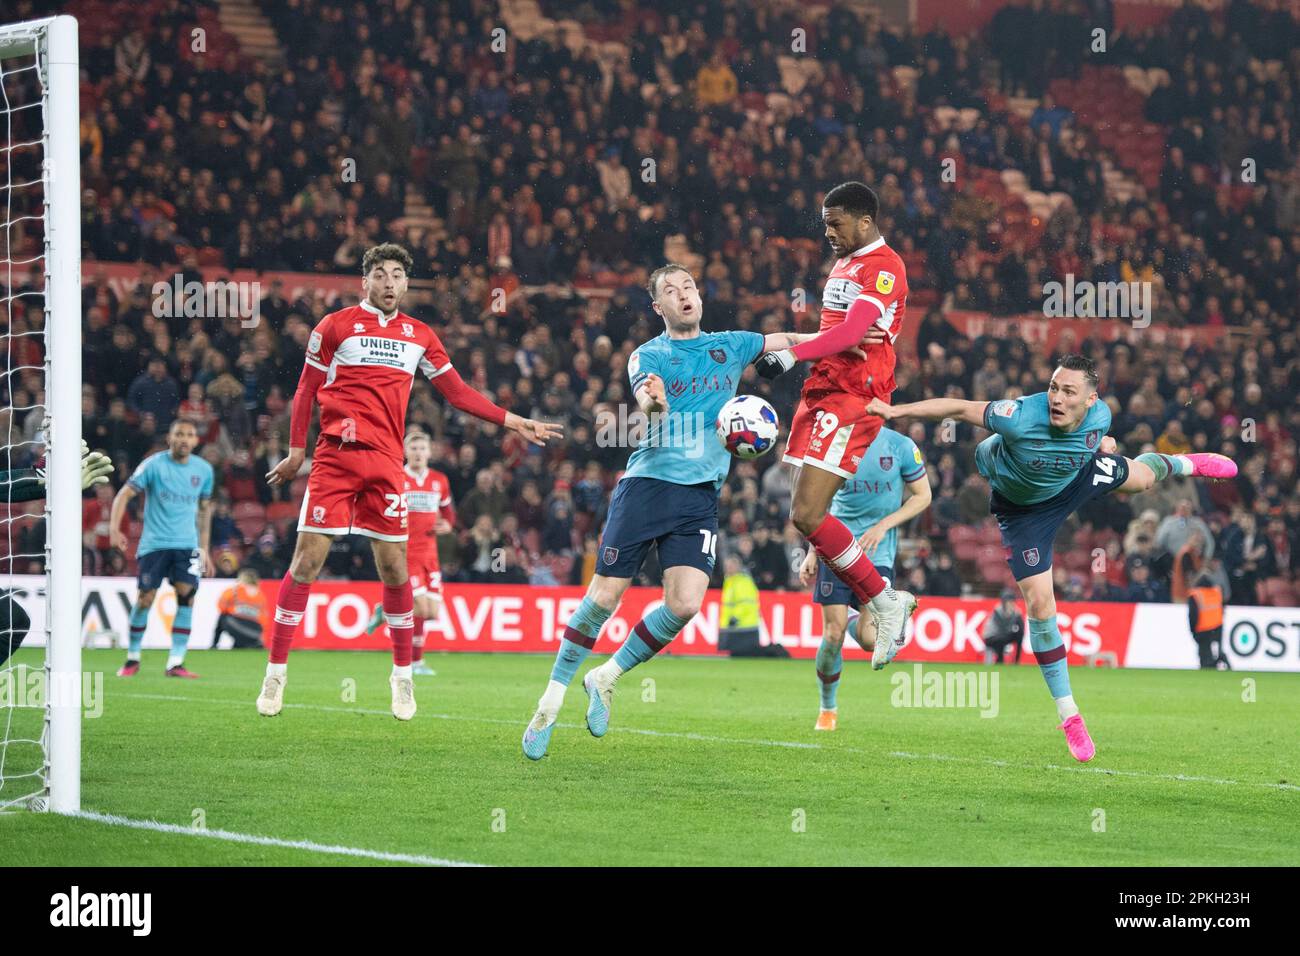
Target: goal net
40, 415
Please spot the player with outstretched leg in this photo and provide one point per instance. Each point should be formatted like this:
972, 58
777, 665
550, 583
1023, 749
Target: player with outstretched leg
1048, 456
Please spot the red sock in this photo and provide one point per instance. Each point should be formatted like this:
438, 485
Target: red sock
398, 609
289, 608
417, 640
843, 555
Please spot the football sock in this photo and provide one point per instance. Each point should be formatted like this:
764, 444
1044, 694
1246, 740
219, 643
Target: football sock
139, 621
840, 550
851, 631
579, 638
1166, 465
180, 635
650, 636
1049, 649
417, 640
399, 613
830, 659
289, 607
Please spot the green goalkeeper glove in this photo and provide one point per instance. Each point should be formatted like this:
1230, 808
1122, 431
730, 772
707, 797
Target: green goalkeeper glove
95, 468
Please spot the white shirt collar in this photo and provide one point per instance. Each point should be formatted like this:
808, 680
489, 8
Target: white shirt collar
383, 319
869, 247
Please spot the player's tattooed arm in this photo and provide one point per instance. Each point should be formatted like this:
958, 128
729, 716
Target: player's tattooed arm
204, 518
933, 409
116, 536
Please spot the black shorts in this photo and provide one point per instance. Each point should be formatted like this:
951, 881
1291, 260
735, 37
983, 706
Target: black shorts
680, 520
177, 565
1029, 530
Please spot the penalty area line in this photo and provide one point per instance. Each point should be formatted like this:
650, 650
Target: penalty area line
228, 836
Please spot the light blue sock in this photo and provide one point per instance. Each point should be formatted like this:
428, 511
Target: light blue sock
180, 634
578, 640
830, 660
1048, 647
135, 636
650, 636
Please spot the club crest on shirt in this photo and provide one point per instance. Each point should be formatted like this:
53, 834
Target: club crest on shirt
718, 355
1031, 557
885, 282
194, 481
1092, 439
610, 555
886, 462
408, 330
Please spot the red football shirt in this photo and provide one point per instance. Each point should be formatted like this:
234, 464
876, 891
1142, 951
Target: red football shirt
369, 363
428, 498
875, 273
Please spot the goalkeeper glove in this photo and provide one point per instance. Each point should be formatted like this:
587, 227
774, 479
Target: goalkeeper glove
772, 364
95, 467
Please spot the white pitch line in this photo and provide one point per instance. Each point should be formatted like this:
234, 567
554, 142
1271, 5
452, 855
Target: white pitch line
230, 837
789, 744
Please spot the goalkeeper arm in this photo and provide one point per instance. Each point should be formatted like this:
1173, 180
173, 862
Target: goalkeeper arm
28, 484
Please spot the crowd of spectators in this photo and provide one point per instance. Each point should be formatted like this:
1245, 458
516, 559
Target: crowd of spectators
534, 161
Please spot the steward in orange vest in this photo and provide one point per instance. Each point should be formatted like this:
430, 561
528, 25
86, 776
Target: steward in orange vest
1205, 614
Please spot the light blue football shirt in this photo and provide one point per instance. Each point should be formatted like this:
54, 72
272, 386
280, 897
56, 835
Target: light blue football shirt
172, 491
700, 375
1029, 460
876, 489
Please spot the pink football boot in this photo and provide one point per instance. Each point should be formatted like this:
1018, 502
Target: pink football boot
1210, 465
1076, 735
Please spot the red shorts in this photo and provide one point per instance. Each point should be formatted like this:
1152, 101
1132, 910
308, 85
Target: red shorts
354, 490
426, 576
831, 430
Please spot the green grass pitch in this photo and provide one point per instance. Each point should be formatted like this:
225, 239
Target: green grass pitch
707, 762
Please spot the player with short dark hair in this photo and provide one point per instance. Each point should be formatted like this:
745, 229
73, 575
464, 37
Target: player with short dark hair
1048, 456
360, 365
863, 304
177, 485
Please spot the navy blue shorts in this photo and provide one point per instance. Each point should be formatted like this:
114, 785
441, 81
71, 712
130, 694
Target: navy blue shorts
681, 520
1028, 531
829, 589
177, 565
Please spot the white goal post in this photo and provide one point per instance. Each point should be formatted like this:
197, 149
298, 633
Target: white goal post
52, 44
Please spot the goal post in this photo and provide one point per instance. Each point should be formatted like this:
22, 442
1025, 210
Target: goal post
50, 45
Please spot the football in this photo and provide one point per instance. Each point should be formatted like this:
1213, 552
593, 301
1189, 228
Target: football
747, 427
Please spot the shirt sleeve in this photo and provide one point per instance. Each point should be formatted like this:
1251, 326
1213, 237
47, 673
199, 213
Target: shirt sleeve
321, 345
885, 290
640, 366
913, 465
206, 491
435, 361
748, 345
1005, 416
143, 475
